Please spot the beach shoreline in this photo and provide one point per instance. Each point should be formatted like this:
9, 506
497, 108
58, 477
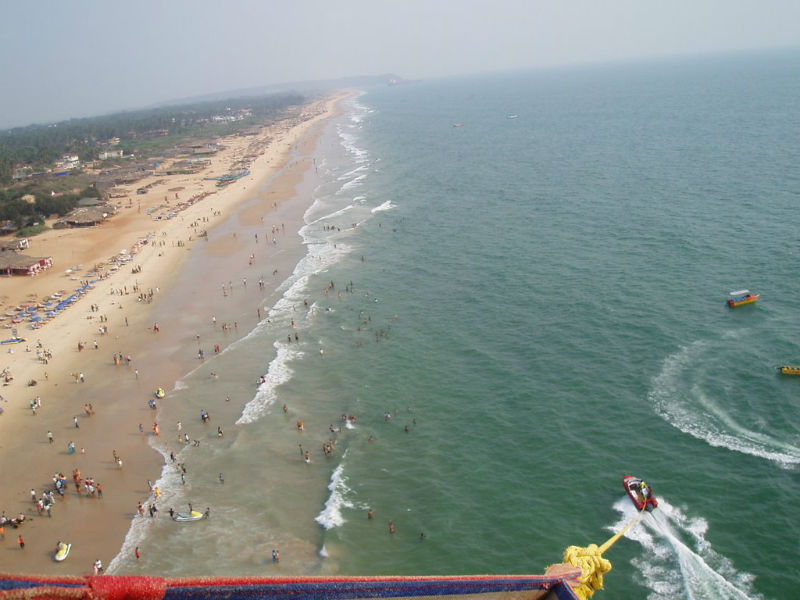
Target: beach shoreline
117, 389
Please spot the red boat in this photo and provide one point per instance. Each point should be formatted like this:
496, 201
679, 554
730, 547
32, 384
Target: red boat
639, 492
741, 297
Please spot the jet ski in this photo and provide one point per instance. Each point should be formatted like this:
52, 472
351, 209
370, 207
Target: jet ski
62, 551
192, 516
639, 492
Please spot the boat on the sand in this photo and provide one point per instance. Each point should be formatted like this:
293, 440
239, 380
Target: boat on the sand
62, 551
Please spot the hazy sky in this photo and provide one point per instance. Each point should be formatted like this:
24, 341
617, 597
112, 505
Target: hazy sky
86, 57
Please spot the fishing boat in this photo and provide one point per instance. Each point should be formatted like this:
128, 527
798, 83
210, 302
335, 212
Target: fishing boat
789, 369
14, 340
639, 492
741, 297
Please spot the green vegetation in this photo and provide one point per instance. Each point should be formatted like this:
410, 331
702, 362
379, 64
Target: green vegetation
31, 231
143, 133
25, 214
38, 146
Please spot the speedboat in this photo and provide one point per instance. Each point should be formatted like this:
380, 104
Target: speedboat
741, 297
639, 492
789, 369
192, 516
62, 551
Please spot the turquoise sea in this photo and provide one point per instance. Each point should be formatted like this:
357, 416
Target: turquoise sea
530, 304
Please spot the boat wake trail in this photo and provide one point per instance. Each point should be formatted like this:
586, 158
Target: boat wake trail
678, 562
679, 395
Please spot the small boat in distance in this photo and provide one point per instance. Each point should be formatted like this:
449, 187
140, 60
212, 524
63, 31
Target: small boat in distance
639, 492
789, 369
459, 124
741, 297
512, 117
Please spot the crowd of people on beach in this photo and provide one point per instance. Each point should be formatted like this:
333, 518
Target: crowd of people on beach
88, 487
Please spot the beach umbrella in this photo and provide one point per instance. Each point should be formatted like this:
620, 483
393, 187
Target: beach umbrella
31, 309
51, 314
36, 319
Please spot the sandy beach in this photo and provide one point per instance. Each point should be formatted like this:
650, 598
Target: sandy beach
96, 364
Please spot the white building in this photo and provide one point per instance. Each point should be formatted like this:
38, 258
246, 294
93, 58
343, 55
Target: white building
106, 154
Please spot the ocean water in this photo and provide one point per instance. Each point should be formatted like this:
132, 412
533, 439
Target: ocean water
515, 312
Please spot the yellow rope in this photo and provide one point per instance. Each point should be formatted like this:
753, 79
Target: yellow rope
591, 562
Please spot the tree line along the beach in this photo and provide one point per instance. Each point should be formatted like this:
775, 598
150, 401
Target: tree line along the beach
24, 214
28, 154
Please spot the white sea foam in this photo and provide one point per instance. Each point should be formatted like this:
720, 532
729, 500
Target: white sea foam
331, 515
353, 183
385, 206
685, 405
678, 561
278, 373
137, 533
337, 213
180, 385
321, 254
169, 487
349, 174
349, 143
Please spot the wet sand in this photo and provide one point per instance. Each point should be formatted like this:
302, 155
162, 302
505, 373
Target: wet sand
184, 301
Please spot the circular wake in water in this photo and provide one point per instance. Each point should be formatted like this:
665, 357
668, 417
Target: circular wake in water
683, 394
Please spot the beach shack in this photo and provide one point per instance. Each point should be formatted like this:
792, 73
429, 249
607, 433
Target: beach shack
85, 216
16, 263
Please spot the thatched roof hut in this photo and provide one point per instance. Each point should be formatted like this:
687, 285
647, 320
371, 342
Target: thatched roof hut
14, 263
85, 216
